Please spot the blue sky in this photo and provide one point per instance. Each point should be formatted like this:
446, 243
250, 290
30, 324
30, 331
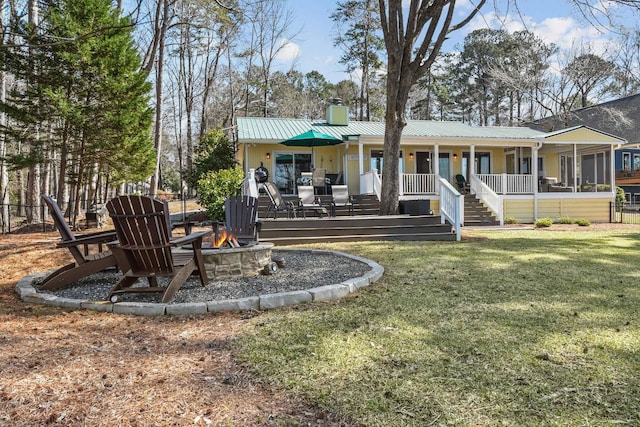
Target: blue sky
553, 20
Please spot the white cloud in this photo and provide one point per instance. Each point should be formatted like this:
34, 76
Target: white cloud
289, 51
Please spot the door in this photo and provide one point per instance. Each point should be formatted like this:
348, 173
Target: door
444, 164
288, 168
423, 162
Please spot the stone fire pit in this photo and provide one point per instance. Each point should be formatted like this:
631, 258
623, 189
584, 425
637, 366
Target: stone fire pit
245, 261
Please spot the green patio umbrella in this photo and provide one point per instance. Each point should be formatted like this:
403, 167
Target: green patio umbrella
312, 138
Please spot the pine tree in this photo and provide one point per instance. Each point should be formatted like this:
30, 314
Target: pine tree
83, 84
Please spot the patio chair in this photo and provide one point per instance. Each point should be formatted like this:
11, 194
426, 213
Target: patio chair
143, 236
87, 250
278, 204
241, 219
319, 179
309, 201
341, 198
462, 183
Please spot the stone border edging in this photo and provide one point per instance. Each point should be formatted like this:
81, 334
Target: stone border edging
28, 293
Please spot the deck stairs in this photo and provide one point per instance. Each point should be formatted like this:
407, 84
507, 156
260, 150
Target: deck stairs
477, 214
354, 228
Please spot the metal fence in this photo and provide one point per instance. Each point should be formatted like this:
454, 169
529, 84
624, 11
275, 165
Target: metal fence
624, 212
15, 214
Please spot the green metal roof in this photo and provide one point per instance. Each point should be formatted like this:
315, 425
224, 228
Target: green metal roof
255, 129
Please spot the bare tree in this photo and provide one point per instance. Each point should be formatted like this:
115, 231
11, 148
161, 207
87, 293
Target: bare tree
270, 22
413, 44
4, 173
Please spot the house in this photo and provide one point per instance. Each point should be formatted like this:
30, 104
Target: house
620, 117
514, 171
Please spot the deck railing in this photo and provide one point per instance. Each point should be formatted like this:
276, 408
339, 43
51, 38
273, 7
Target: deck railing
504, 183
489, 197
451, 205
371, 183
417, 183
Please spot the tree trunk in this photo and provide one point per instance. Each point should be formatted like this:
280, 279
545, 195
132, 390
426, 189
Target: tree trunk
4, 172
157, 133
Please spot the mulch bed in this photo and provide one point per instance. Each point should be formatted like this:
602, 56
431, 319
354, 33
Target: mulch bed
66, 367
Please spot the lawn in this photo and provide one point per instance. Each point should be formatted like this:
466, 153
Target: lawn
512, 328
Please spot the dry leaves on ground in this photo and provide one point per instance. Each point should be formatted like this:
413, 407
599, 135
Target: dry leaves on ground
66, 367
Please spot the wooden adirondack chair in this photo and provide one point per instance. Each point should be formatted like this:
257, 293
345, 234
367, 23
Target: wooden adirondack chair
241, 218
87, 250
143, 234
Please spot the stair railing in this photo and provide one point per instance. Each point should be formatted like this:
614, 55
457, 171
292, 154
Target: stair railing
490, 199
451, 205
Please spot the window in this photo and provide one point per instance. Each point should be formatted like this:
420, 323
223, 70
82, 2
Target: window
377, 161
626, 161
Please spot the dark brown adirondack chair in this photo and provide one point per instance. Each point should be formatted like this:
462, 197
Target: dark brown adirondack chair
87, 250
241, 218
144, 239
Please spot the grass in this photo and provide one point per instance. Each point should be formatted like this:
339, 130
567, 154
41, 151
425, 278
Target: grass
535, 328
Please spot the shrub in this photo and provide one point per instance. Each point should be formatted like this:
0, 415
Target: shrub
583, 222
620, 196
511, 220
215, 152
565, 220
214, 187
543, 222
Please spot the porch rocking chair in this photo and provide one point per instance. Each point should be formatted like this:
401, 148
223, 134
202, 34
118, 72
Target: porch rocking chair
462, 184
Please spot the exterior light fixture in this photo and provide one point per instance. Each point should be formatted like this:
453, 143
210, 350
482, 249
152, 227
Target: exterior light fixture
455, 156
411, 156
268, 155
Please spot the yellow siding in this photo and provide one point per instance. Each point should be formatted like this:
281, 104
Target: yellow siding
434, 205
522, 210
583, 135
595, 210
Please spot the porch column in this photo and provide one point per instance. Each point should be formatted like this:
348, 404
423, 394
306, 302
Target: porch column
472, 162
360, 158
575, 168
612, 169
246, 158
436, 166
535, 178
534, 168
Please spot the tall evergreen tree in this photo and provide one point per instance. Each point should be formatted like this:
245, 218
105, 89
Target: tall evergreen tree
84, 87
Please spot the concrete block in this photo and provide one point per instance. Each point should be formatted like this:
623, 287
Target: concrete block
281, 299
250, 303
375, 274
104, 306
360, 282
139, 308
187, 308
39, 298
329, 292
66, 302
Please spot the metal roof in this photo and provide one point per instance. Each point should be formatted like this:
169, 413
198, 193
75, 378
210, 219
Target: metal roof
278, 129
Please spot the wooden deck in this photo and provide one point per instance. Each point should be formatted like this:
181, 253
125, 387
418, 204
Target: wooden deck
355, 228
628, 178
